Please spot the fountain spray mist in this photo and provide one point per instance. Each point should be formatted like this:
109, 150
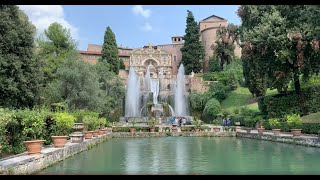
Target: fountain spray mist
180, 108
132, 106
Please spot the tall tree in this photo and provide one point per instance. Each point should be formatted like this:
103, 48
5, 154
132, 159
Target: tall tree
110, 52
54, 46
283, 40
112, 88
19, 70
76, 84
226, 42
192, 50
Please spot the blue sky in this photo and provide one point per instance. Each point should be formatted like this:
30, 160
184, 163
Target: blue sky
134, 26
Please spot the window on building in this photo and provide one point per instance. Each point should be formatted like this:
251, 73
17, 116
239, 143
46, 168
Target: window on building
175, 58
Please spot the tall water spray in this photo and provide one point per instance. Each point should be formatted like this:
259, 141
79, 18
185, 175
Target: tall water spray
132, 106
180, 108
147, 82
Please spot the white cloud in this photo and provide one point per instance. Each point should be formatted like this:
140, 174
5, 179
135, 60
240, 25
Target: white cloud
44, 15
138, 10
147, 27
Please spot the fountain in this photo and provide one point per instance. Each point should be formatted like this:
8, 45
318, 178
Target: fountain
150, 97
132, 103
180, 108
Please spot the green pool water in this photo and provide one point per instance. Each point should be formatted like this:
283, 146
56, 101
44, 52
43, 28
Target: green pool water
191, 155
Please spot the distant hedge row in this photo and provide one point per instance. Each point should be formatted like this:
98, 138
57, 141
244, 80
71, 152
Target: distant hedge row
279, 105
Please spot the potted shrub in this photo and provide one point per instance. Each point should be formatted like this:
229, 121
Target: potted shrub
260, 126
152, 125
89, 126
63, 124
197, 124
33, 128
275, 125
102, 123
216, 123
249, 123
294, 122
132, 128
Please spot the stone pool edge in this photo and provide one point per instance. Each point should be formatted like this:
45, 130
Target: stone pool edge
30, 164
309, 141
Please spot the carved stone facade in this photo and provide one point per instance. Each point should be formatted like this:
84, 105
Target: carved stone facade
158, 59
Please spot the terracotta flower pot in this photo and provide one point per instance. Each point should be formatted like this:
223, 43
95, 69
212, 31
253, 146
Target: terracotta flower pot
276, 131
296, 132
101, 132
96, 133
197, 129
59, 141
216, 129
133, 130
152, 129
248, 130
260, 131
34, 146
88, 134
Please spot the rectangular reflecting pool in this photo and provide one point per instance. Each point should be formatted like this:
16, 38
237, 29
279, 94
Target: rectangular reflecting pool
191, 155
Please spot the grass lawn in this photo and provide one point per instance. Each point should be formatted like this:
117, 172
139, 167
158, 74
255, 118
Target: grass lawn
311, 118
241, 97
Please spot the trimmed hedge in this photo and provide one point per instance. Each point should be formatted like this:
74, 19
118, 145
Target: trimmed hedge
279, 105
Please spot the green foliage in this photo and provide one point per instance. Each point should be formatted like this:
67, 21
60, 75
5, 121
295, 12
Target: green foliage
33, 123
90, 123
250, 121
225, 44
282, 104
211, 110
63, 123
192, 50
294, 121
102, 122
152, 122
197, 123
310, 128
77, 85
274, 123
113, 92
60, 106
282, 38
80, 114
110, 51
214, 64
54, 46
236, 111
20, 73
216, 122
218, 91
122, 66
199, 100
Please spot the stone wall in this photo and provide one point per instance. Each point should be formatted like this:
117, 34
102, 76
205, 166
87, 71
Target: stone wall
305, 141
163, 134
28, 164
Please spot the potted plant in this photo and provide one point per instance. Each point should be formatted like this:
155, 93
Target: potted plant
275, 125
260, 127
102, 123
249, 123
132, 128
89, 126
152, 124
197, 124
63, 123
294, 122
216, 123
33, 128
